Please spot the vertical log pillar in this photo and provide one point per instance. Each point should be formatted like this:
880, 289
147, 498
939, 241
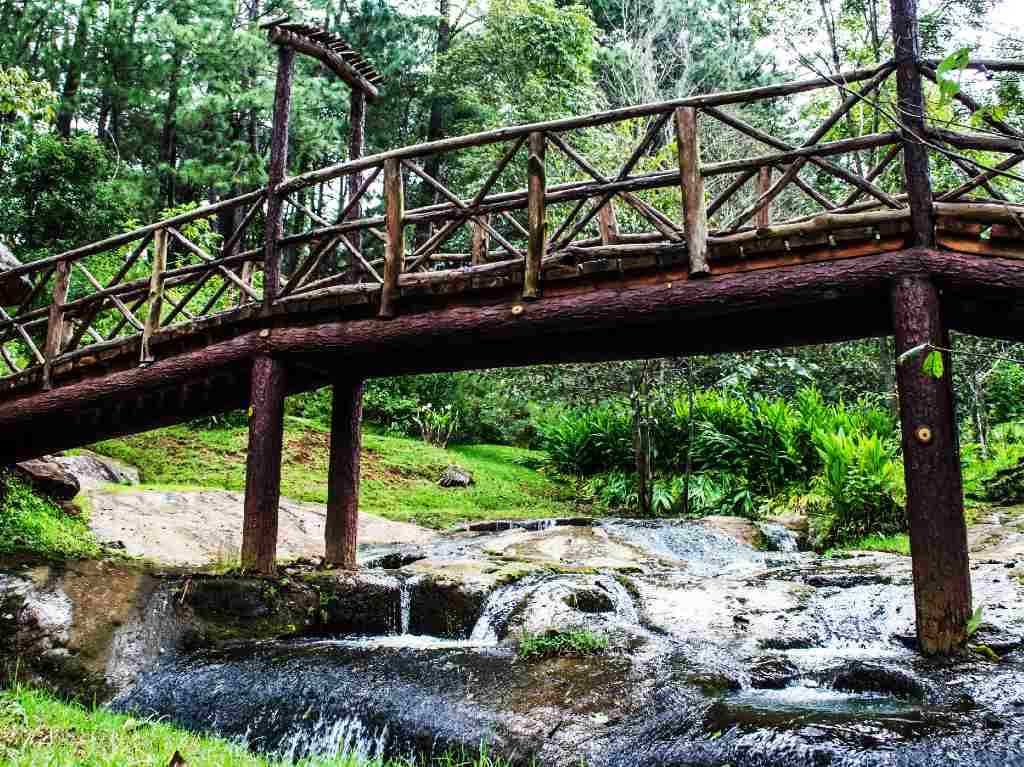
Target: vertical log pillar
764, 185
537, 224
607, 224
394, 253
343, 474
911, 106
931, 462
263, 464
481, 241
695, 212
275, 175
55, 326
156, 295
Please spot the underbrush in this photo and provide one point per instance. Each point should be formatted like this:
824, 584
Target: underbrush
36, 729
561, 643
32, 524
749, 455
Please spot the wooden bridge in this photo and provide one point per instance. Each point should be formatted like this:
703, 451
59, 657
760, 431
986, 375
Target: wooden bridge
569, 250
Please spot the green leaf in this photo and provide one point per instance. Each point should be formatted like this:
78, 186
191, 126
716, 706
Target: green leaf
974, 621
933, 364
957, 62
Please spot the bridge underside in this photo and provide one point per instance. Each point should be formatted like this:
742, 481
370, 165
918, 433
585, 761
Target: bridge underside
608, 315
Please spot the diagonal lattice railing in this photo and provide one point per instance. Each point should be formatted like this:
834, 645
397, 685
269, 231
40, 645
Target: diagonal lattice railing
698, 178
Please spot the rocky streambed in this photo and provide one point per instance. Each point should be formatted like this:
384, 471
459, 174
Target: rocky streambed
727, 646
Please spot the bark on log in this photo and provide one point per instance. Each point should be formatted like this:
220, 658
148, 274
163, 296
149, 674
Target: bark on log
394, 254
275, 175
156, 295
55, 326
912, 117
617, 317
931, 460
343, 474
537, 216
263, 464
695, 212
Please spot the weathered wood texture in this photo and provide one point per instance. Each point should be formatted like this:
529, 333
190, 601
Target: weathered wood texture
536, 186
931, 461
695, 212
156, 294
276, 174
263, 464
343, 473
911, 110
55, 325
394, 252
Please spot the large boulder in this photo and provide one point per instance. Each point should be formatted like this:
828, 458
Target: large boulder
13, 290
93, 471
50, 478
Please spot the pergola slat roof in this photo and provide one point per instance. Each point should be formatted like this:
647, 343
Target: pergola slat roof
332, 50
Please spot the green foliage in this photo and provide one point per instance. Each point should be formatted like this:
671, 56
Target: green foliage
862, 482
1004, 392
437, 424
576, 641
974, 622
933, 365
23, 101
956, 62
30, 523
894, 544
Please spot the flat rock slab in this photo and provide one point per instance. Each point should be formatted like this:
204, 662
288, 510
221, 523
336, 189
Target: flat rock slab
202, 527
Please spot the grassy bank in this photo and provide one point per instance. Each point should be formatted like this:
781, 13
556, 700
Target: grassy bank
36, 729
399, 475
32, 524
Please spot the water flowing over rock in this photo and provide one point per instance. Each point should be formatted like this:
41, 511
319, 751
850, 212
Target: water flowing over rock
719, 652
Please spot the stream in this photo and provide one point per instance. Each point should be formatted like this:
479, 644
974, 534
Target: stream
720, 653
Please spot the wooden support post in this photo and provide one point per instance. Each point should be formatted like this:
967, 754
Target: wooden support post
481, 241
343, 474
537, 225
394, 253
764, 183
356, 139
263, 464
607, 224
156, 294
55, 327
278, 166
911, 107
931, 462
695, 212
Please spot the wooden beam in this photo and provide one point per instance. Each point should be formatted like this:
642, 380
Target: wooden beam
607, 224
275, 175
480, 244
331, 59
55, 326
343, 474
537, 215
394, 252
912, 110
764, 183
156, 295
695, 212
263, 464
931, 462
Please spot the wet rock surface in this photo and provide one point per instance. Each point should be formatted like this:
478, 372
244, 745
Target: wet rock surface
719, 652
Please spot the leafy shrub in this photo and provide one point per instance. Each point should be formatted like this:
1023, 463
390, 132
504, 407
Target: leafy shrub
572, 642
862, 483
437, 425
1005, 392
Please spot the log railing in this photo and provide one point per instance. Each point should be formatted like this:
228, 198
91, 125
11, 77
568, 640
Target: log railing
694, 175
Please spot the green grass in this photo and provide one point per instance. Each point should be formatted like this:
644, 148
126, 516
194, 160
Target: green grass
31, 524
895, 544
37, 730
556, 643
399, 475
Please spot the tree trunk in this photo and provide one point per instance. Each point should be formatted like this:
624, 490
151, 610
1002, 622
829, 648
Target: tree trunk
343, 480
169, 135
642, 438
73, 75
689, 436
931, 461
435, 124
263, 464
887, 375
